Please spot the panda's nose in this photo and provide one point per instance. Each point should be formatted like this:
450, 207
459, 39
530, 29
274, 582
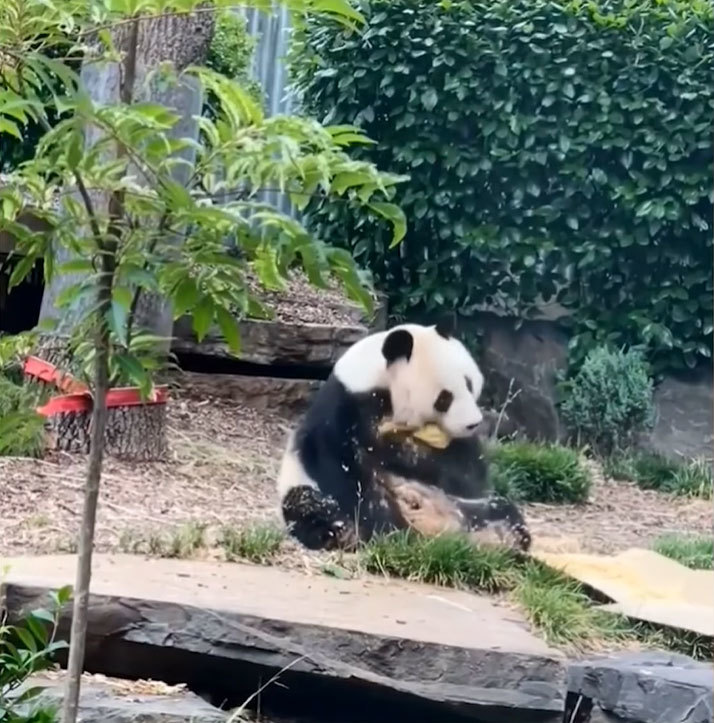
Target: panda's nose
473, 426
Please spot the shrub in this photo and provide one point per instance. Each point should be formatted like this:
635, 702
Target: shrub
652, 471
555, 148
231, 51
22, 430
26, 649
609, 400
530, 472
695, 551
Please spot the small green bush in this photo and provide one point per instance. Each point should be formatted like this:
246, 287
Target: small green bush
231, 51
652, 471
694, 551
530, 472
26, 649
182, 542
22, 430
609, 401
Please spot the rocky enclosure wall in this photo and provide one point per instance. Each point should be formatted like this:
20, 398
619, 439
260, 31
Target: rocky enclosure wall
533, 353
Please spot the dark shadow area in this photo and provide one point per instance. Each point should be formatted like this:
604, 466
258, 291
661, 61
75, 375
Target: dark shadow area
205, 364
299, 697
20, 306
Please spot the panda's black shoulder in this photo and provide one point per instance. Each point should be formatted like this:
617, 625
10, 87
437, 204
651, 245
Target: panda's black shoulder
338, 419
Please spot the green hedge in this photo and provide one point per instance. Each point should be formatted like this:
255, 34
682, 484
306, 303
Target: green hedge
556, 149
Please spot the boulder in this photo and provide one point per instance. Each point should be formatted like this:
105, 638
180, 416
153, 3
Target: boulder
522, 362
685, 423
644, 687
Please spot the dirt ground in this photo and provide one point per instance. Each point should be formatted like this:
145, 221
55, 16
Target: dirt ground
222, 471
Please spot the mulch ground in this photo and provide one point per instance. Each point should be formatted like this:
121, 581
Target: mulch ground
224, 461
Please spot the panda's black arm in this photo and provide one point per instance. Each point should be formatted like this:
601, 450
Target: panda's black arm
459, 470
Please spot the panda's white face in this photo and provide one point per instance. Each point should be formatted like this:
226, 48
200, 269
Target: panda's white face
430, 375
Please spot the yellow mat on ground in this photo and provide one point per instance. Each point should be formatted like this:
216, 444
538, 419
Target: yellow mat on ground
644, 585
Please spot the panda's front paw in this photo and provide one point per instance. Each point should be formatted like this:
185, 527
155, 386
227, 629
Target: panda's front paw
497, 517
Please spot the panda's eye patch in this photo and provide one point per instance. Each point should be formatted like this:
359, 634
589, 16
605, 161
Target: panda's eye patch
443, 401
469, 385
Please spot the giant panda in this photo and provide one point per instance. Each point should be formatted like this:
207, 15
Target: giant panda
341, 481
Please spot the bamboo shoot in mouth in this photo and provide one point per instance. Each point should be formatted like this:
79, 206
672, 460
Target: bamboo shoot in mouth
430, 434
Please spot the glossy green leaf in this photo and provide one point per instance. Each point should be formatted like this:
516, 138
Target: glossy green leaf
229, 328
203, 314
395, 216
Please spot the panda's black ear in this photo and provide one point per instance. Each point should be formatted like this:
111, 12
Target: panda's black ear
398, 345
446, 326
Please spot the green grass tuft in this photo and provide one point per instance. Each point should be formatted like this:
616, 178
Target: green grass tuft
561, 609
257, 543
182, 542
530, 472
449, 560
656, 472
694, 551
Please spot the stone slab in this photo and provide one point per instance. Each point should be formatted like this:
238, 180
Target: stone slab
100, 702
416, 644
272, 342
645, 687
288, 395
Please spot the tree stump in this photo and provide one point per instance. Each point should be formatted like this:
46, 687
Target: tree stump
136, 434
136, 428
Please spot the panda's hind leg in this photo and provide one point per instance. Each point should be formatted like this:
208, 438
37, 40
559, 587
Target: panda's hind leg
498, 516
316, 520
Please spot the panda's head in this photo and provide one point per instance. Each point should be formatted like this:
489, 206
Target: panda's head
430, 375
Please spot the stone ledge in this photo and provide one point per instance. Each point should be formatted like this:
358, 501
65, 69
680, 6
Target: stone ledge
383, 649
290, 395
273, 343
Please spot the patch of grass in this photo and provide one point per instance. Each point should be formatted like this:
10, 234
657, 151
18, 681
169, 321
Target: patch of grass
694, 551
182, 542
257, 543
561, 610
448, 560
530, 472
656, 472
559, 607
688, 643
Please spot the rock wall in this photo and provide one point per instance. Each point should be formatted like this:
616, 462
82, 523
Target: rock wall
527, 357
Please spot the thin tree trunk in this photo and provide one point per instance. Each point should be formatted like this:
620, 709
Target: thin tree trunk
78, 633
